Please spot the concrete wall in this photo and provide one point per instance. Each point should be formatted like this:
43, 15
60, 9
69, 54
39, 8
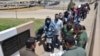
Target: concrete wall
26, 26
6, 34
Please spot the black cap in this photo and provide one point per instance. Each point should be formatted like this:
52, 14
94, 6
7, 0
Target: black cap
30, 42
70, 40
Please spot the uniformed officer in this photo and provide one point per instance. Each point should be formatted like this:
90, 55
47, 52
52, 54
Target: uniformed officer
72, 49
71, 5
81, 36
67, 30
30, 48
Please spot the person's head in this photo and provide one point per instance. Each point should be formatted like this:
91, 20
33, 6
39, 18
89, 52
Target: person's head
30, 43
69, 42
77, 28
87, 4
66, 14
48, 20
56, 16
83, 27
60, 14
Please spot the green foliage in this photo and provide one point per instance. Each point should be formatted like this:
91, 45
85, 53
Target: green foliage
38, 23
8, 23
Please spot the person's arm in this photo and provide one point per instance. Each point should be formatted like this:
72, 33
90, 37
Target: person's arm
83, 40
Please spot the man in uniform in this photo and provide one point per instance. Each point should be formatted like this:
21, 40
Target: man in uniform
81, 36
73, 50
67, 30
71, 5
30, 48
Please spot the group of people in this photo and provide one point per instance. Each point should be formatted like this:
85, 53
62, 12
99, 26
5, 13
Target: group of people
66, 31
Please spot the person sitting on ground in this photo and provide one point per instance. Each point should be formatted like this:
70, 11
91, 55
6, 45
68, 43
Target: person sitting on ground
30, 48
73, 50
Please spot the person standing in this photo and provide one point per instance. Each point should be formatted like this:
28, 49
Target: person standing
67, 31
71, 5
49, 29
81, 36
58, 26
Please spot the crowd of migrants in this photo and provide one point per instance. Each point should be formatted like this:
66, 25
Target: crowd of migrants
66, 31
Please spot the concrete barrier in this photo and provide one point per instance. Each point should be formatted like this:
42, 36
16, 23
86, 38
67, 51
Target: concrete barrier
90, 44
13, 39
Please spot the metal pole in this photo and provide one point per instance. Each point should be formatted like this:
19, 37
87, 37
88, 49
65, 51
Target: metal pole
63, 5
16, 11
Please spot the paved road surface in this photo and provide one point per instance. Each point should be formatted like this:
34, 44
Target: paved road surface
39, 13
43, 13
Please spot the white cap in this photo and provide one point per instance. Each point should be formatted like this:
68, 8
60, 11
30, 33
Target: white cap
79, 6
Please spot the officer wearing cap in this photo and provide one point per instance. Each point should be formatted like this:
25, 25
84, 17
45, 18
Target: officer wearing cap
30, 48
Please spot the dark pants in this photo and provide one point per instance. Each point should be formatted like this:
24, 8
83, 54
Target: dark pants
56, 42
